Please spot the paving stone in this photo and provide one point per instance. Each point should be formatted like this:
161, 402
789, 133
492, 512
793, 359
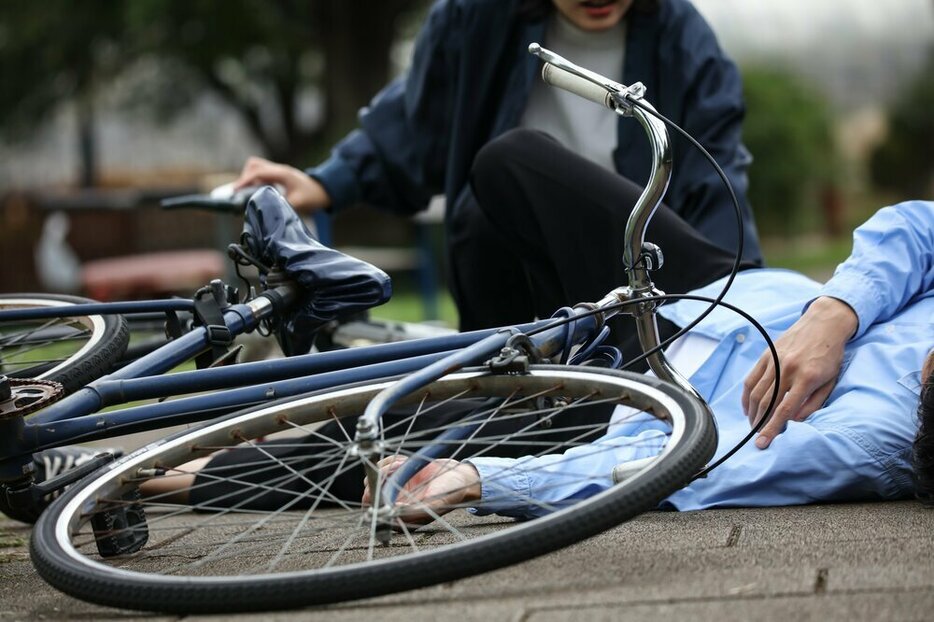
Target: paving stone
903, 606
837, 562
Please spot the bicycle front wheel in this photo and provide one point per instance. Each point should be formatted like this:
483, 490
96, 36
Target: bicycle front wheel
69, 350
277, 523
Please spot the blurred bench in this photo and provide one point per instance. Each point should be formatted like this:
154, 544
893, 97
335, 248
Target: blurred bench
151, 275
127, 270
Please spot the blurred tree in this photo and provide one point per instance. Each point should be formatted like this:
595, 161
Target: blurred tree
52, 52
789, 132
904, 162
260, 56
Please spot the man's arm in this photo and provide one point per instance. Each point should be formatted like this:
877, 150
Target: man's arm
538, 485
892, 262
395, 160
523, 487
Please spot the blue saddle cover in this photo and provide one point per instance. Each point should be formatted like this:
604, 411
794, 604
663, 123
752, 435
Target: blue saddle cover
333, 284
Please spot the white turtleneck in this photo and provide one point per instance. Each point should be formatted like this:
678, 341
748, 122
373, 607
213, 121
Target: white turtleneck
581, 125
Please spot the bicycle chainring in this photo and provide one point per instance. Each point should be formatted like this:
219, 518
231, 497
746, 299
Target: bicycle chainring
28, 395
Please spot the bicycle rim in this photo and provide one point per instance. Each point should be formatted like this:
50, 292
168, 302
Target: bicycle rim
213, 558
69, 350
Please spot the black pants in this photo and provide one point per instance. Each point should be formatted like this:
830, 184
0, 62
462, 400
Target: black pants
546, 230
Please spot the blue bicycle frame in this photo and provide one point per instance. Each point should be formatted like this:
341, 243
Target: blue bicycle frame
76, 418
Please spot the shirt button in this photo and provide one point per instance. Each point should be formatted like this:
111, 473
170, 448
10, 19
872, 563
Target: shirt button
740, 338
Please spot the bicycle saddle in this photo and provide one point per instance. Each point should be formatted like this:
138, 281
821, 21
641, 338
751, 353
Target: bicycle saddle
333, 284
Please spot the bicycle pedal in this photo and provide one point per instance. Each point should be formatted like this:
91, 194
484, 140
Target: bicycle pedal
121, 530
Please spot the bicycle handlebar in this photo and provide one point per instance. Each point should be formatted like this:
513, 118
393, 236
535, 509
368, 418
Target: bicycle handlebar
555, 76
562, 73
628, 101
223, 199
205, 202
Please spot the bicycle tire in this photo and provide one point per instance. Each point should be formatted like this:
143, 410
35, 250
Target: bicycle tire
84, 347
64, 555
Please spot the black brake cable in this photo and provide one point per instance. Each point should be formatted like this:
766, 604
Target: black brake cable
714, 302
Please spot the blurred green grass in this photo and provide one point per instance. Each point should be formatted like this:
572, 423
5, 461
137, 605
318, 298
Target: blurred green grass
814, 255
406, 305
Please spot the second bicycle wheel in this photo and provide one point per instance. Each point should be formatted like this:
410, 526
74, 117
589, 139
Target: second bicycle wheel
276, 520
69, 350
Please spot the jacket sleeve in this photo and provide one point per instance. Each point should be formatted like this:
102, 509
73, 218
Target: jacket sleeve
395, 159
892, 263
706, 98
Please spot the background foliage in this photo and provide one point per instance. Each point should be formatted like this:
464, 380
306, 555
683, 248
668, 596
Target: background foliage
788, 129
259, 56
904, 163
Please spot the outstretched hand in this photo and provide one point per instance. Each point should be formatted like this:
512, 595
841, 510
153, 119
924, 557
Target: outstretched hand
438, 488
302, 192
810, 354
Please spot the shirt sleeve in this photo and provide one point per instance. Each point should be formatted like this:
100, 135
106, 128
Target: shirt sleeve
534, 486
395, 159
804, 464
892, 262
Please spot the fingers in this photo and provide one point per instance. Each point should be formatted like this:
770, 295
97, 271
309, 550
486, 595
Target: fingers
797, 405
815, 401
436, 489
761, 374
304, 194
387, 466
258, 171
783, 412
760, 393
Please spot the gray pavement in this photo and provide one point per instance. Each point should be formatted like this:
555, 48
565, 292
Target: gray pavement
830, 562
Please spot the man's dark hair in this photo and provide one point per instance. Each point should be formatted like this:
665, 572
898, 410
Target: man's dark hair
537, 9
922, 452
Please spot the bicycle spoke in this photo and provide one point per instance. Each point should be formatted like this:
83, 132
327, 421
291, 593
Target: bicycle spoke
325, 485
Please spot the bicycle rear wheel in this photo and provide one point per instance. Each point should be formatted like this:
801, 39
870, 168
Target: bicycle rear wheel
226, 554
72, 350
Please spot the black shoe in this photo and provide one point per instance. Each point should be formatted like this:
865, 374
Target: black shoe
51, 463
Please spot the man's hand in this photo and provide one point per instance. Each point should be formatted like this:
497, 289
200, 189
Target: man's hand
441, 486
810, 354
302, 192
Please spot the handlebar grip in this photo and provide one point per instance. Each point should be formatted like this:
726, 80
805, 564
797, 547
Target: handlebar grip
203, 201
562, 79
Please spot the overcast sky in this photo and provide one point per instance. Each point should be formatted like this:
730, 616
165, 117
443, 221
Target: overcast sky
849, 46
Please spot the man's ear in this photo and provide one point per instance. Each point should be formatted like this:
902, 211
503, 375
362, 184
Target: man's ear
928, 367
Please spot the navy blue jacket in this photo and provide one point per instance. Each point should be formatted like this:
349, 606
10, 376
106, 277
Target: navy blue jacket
471, 76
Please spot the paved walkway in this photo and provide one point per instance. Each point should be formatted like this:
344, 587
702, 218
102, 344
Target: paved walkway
832, 562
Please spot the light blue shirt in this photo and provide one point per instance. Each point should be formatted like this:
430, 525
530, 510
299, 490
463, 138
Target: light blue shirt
855, 447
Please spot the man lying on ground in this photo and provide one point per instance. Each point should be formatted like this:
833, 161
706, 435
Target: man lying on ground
855, 419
